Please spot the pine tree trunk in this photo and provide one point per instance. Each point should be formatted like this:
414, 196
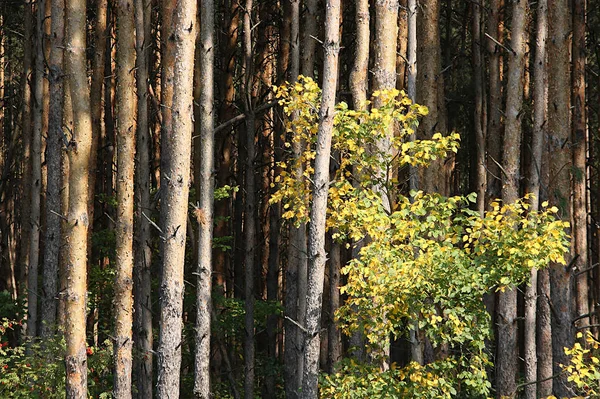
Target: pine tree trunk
506, 343
36, 176
580, 140
561, 278
78, 217
179, 23
316, 237
205, 195
533, 363
126, 126
479, 156
54, 163
142, 316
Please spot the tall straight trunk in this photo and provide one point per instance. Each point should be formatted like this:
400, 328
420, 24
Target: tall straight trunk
561, 278
54, 162
36, 176
26, 137
540, 101
494, 128
580, 140
506, 344
78, 217
179, 24
316, 236
431, 90
205, 196
335, 339
411, 51
480, 171
126, 116
142, 316
250, 206
297, 239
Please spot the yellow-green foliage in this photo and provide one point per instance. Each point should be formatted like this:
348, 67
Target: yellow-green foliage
427, 259
584, 367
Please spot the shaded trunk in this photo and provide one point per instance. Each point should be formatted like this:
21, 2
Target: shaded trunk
54, 164
506, 344
142, 316
478, 120
561, 278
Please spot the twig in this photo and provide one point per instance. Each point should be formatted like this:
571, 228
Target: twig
500, 44
294, 322
153, 224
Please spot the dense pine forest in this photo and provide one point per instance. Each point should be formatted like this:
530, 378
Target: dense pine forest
299, 199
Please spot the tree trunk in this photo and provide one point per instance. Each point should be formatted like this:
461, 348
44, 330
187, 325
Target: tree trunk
179, 20
142, 316
358, 76
580, 140
506, 344
126, 116
561, 278
205, 195
495, 29
540, 101
250, 206
480, 158
78, 217
36, 176
316, 235
431, 91
335, 337
310, 32
54, 163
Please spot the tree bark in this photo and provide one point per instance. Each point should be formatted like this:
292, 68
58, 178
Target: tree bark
78, 217
36, 176
142, 316
559, 139
535, 366
358, 75
580, 140
126, 126
179, 24
316, 240
250, 206
204, 212
54, 163
506, 344
480, 158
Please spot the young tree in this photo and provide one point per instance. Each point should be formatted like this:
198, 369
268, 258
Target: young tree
204, 212
316, 236
126, 115
78, 217
178, 24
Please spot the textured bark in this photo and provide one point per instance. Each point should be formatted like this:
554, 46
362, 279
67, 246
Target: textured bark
54, 163
580, 140
179, 24
334, 354
126, 116
478, 117
36, 175
250, 206
506, 344
309, 31
534, 312
316, 235
26, 137
142, 316
297, 243
205, 195
78, 217
411, 51
561, 278
431, 91
358, 76
495, 28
